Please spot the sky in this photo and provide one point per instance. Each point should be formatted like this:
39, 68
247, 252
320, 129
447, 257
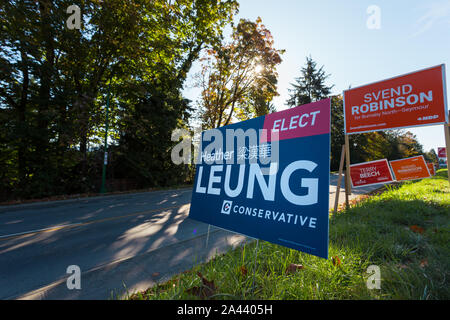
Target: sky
411, 35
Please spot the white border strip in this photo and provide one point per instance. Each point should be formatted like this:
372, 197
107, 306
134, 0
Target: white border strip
444, 84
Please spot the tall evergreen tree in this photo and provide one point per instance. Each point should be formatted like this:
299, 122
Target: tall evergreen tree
310, 86
54, 80
337, 131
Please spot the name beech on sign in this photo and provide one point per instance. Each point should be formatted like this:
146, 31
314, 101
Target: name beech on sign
369, 173
284, 201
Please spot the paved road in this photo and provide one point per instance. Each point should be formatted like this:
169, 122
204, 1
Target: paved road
121, 243
356, 192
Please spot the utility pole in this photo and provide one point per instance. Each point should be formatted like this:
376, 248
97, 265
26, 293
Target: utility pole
105, 157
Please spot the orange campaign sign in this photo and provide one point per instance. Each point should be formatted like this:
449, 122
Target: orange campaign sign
431, 168
410, 168
413, 99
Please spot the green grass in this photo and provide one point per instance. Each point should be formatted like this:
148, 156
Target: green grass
375, 231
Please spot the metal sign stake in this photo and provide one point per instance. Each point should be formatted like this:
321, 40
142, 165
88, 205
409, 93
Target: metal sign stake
254, 266
207, 236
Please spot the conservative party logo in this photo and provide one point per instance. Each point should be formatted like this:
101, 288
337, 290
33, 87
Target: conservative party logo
226, 206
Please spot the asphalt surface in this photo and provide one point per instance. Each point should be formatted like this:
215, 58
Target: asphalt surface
121, 243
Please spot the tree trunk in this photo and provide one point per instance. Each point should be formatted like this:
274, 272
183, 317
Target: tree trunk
46, 75
21, 116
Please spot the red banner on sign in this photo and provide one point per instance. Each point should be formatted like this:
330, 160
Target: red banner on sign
442, 153
308, 120
414, 99
372, 172
431, 168
410, 168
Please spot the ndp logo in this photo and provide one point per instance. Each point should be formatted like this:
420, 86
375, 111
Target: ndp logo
226, 206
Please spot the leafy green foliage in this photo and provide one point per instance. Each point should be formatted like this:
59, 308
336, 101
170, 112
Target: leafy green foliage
431, 156
391, 144
53, 85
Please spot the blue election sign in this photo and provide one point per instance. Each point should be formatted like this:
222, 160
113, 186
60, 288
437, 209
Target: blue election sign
268, 178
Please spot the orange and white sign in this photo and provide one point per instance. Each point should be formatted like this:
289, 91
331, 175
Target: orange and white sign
413, 99
431, 168
410, 168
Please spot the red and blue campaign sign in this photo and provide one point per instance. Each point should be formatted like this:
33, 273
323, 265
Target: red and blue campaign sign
268, 178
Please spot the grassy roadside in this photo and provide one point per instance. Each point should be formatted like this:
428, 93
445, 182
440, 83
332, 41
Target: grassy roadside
404, 231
